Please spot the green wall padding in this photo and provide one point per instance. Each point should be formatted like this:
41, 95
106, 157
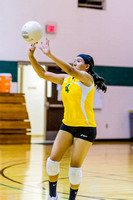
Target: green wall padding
117, 76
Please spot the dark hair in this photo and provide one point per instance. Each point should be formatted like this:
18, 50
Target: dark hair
99, 81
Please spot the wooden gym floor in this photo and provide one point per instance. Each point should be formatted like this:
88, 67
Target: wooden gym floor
107, 172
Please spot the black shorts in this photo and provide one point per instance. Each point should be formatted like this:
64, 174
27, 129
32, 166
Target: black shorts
85, 133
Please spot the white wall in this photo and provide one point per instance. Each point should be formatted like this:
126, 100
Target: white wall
113, 119
105, 34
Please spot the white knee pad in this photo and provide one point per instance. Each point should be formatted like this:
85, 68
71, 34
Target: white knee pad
75, 175
53, 167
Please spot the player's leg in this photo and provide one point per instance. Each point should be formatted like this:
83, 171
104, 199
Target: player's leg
62, 142
79, 152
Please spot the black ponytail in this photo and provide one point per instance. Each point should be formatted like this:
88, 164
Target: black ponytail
99, 81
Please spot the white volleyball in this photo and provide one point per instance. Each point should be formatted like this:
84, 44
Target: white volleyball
32, 31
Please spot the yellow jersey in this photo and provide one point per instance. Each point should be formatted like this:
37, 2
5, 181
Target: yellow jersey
78, 103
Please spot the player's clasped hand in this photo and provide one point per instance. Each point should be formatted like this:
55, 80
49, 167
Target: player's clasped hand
32, 48
43, 46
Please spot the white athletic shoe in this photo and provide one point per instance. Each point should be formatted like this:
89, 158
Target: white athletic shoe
53, 198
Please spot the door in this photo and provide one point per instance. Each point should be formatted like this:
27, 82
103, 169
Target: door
54, 107
34, 88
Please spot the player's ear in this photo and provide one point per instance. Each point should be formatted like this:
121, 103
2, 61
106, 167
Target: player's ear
87, 67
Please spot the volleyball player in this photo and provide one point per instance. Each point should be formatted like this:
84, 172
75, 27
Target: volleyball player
78, 128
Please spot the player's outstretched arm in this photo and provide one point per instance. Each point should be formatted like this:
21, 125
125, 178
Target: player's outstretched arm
69, 69
42, 73
45, 48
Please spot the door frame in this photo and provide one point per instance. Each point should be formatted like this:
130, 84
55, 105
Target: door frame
20, 87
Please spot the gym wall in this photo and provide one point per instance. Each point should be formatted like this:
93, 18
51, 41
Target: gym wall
104, 34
